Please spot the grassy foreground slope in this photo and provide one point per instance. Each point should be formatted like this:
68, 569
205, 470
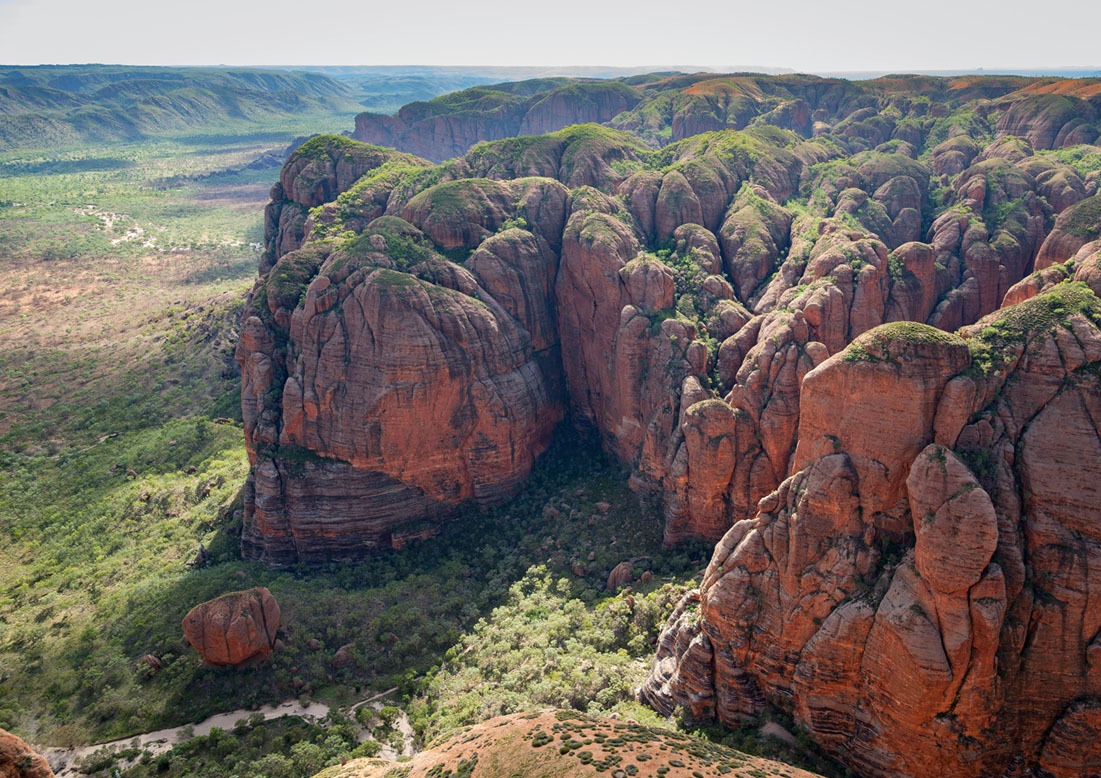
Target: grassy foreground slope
122, 269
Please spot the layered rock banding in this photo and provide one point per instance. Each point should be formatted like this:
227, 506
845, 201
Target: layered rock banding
917, 593
19, 760
419, 330
758, 324
235, 628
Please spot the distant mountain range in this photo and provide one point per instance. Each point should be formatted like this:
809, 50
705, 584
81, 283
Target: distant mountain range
59, 105
71, 104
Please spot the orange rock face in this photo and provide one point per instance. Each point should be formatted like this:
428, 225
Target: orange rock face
757, 325
234, 628
1076, 226
19, 760
620, 289
415, 394
918, 593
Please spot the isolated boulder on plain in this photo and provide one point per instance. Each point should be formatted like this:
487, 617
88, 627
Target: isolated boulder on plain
234, 628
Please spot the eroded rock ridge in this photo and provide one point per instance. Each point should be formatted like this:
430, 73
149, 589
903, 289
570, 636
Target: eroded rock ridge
918, 594
854, 342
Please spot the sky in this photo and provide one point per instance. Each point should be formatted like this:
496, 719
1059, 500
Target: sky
803, 35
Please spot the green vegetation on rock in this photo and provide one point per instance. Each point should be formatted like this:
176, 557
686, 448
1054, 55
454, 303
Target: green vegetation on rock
1001, 337
889, 342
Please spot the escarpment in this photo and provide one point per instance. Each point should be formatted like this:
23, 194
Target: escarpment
383, 385
449, 125
419, 330
855, 343
1048, 113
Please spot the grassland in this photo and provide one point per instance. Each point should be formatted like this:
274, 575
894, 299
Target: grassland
110, 256
122, 273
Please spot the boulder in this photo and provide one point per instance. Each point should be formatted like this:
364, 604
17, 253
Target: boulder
19, 760
621, 575
234, 628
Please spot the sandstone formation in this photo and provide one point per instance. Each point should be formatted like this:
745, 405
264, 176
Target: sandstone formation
19, 760
917, 593
420, 390
449, 125
757, 323
660, 108
1078, 225
234, 628
672, 303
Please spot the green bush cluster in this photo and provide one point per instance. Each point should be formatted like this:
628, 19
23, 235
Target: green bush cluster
551, 644
1004, 336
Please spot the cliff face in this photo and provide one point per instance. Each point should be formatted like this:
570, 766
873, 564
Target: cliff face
758, 325
673, 302
448, 126
384, 385
917, 593
1047, 113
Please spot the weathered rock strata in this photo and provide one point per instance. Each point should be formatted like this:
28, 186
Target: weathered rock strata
574, 273
756, 323
19, 760
660, 108
918, 592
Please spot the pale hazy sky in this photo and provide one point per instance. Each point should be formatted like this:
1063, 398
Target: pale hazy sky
805, 35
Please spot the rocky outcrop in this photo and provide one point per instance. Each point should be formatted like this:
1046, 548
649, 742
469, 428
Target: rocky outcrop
19, 760
404, 392
756, 325
1051, 121
671, 303
1048, 113
448, 126
754, 234
917, 592
314, 174
621, 575
235, 628
1076, 226
624, 357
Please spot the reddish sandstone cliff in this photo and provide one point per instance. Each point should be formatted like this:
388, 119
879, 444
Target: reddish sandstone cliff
756, 325
690, 294
449, 125
917, 593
